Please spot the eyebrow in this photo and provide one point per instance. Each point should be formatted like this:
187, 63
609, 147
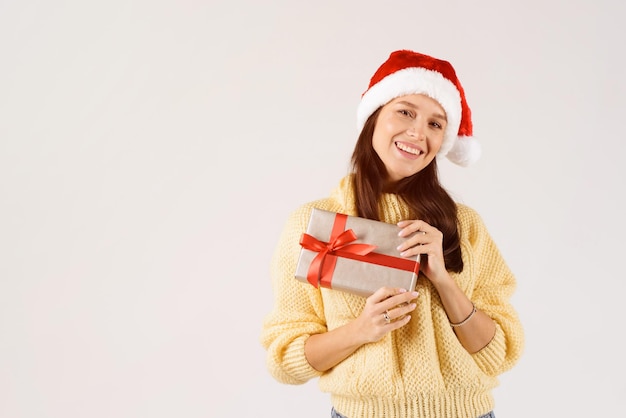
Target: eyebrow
435, 115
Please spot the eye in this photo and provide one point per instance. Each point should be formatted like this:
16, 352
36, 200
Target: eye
436, 125
405, 112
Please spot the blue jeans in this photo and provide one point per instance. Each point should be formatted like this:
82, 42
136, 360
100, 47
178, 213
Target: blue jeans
335, 414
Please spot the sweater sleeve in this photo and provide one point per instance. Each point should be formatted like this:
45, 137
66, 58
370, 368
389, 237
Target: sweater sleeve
297, 312
491, 292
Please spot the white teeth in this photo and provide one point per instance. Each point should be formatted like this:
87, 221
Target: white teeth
408, 149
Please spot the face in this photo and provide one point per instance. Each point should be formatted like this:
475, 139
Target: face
408, 134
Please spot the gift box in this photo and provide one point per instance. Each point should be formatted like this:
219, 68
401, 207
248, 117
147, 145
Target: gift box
353, 254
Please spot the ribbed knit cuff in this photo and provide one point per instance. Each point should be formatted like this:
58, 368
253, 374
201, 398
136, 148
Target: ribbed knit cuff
295, 363
491, 357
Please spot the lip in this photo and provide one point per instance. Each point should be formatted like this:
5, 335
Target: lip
405, 149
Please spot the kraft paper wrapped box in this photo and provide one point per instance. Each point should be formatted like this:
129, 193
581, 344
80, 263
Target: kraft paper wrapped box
353, 254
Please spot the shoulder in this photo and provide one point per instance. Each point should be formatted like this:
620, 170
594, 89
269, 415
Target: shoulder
469, 220
467, 214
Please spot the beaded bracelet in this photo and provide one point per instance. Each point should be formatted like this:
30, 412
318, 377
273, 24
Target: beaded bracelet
458, 324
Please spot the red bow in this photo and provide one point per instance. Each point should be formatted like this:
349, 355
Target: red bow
323, 265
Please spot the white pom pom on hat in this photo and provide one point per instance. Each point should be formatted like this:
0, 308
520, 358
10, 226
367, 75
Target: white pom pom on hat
408, 72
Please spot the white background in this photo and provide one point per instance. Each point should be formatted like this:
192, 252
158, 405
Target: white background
150, 152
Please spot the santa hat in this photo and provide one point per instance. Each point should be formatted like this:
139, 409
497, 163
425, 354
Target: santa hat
407, 72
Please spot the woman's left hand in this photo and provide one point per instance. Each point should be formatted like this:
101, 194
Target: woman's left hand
424, 239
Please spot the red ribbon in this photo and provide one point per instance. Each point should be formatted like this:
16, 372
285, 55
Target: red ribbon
323, 265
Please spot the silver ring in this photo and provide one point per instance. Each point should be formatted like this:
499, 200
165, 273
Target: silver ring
386, 316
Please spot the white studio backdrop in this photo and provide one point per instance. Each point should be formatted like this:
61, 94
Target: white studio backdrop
150, 152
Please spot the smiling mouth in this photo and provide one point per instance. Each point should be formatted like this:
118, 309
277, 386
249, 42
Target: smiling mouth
410, 150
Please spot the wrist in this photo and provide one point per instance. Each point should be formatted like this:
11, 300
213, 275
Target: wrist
466, 320
443, 282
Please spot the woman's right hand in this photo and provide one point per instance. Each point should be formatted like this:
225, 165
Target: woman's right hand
325, 350
386, 310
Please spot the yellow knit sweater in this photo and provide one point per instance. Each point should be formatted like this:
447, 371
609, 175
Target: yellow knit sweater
419, 370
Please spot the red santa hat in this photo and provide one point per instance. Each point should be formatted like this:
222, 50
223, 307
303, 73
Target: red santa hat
407, 72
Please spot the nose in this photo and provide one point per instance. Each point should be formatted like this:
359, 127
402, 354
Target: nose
417, 130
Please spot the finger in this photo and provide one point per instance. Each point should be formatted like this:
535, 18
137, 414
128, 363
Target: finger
384, 293
386, 317
409, 251
398, 312
410, 227
398, 323
394, 302
418, 239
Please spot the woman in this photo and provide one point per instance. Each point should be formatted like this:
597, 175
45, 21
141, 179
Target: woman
435, 352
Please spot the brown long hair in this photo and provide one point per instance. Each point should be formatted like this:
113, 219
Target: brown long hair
422, 192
